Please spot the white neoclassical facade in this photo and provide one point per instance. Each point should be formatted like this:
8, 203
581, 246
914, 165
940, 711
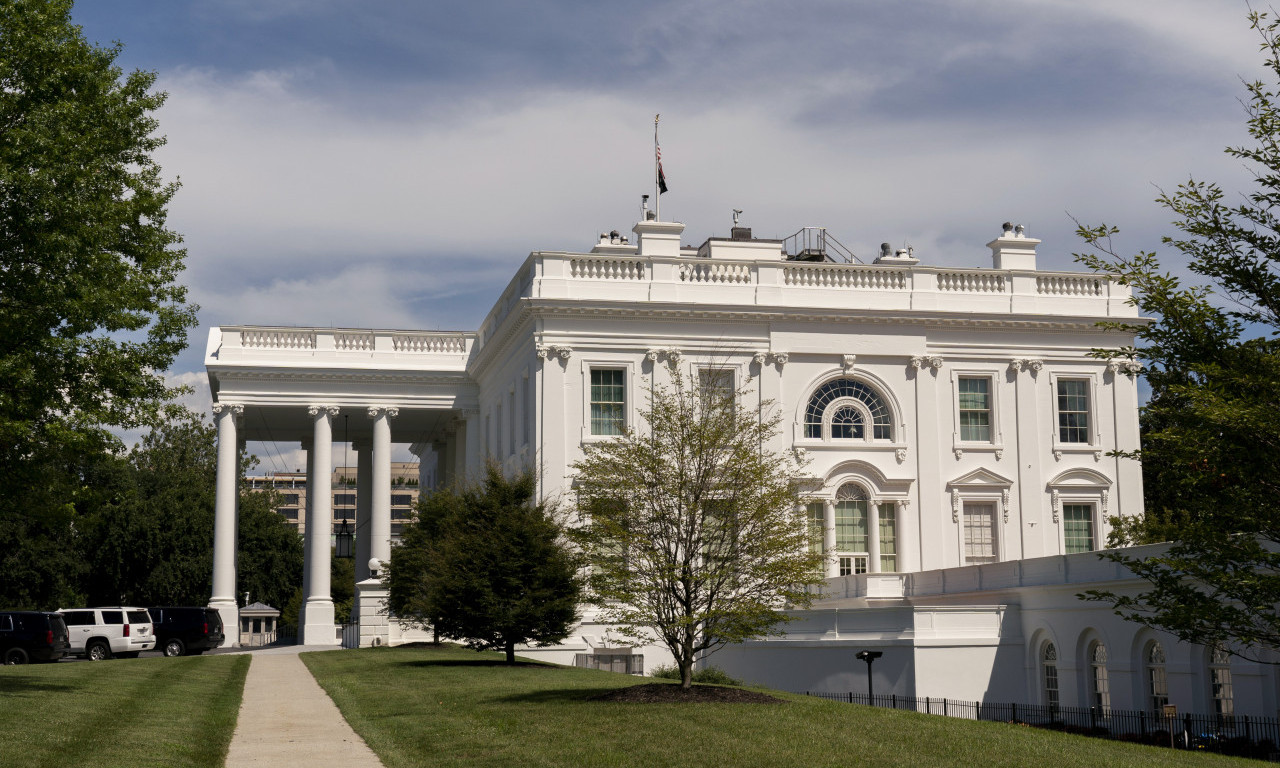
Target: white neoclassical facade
955, 426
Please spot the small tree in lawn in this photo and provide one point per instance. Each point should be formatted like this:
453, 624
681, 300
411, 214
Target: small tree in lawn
690, 525
489, 566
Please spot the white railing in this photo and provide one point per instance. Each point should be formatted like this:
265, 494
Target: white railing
360, 341
724, 273
605, 268
971, 282
1065, 285
843, 276
438, 343
278, 338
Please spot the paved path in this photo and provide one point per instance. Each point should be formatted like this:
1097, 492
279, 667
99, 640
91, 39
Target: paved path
286, 719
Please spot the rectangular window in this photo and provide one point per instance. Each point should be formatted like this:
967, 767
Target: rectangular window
527, 416
290, 513
291, 498
511, 432
608, 401
498, 436
853, 564
1073, 411
816, 518
1051, 685
979, 533
975, 408
1077, 527
401, 499
851, 526
487, 434
113, 617
889, 538
715, 386
344, 499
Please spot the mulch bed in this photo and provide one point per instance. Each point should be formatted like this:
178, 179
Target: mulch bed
661, 693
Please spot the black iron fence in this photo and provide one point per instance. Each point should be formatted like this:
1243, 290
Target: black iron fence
1241, 735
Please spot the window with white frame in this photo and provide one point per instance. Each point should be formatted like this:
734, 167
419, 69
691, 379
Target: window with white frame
608, 401
973, 401
1099, 682
851, 520
715, 386
847, 409
816, 524
1077, 528
889, 537
1049, 674
1156, 676
1220, 687
979, 533
1073, 411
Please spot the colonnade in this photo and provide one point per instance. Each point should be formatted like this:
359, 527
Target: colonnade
373, 504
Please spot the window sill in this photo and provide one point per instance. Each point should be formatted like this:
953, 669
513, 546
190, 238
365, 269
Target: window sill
960, 448
1076, 449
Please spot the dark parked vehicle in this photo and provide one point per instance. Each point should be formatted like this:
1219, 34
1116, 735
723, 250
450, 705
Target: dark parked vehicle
32, 636
182, 630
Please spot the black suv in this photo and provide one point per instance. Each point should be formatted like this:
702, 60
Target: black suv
186, 630
32, 636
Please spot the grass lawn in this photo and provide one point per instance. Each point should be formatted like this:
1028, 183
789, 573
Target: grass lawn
454, 707
128, 712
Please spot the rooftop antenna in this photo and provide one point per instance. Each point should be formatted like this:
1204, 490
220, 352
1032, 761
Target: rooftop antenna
736, 213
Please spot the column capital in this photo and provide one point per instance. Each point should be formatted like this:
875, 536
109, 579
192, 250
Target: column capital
375, 411
316, 410
236, 409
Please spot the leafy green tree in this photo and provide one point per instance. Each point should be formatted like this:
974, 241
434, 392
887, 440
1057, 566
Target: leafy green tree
1211, 429
146, 532
90, 308
488, 565
690, 524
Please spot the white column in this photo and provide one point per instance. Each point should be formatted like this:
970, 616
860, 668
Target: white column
305, 528
906, 532
472, 445
223, 598
441, 472
449, 471
319, 627
873, 536
380, 521
829, 537
364, 499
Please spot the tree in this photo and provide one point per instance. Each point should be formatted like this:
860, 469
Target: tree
90, 310
1211, 429
489, 566
691, 525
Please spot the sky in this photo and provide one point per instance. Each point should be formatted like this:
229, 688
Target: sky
390, 164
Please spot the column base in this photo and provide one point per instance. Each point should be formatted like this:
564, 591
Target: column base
229, 610
318, 627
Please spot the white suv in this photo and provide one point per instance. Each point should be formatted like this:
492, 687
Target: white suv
100, 633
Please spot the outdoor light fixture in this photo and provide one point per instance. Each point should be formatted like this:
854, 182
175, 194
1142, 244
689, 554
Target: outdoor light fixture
869, 656
343, 540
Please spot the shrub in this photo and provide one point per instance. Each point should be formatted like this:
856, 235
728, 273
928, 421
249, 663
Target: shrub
713, 675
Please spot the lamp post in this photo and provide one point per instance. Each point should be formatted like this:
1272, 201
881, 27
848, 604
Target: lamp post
869, 656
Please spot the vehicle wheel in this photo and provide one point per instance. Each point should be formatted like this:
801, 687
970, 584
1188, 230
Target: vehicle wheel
16, 656
97, 651
174, 647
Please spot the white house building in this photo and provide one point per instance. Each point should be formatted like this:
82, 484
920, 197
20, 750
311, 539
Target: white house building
955, 425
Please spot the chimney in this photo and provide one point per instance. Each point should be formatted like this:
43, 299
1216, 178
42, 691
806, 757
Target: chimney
658, 238
1013, 249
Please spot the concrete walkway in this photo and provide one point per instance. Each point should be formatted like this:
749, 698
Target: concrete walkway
286, 718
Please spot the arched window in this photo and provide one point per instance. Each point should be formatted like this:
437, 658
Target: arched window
1049, 672
1157, 677
1099, 683
846, 398
851, 529
1220, 681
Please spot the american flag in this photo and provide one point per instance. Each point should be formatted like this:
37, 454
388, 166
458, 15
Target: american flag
662, 177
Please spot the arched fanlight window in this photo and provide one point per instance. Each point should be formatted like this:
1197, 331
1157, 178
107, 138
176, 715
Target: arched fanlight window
842, 397
1099, 682
1049, 671
1157, 677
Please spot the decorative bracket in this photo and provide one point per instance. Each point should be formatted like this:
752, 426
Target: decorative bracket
1057, 505
1004, 503
848, 361
959, 452
926, 361
901, 455
955, 505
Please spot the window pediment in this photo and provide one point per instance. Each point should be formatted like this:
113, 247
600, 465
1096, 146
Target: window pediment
1080, 477
981, 478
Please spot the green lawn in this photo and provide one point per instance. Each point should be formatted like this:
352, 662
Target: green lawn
453, 707
127, 712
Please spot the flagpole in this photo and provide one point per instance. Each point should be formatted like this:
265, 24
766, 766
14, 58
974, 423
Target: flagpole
657, 193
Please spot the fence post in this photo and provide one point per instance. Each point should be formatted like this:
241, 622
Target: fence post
1013, 709
977, 710
850, 697
1186, 730
1142, 720
944, 706
893, 699
1093, 718
1247, 735
928, 706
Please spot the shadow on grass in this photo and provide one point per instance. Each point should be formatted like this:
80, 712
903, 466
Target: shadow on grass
493, 663
552, 696
23, 685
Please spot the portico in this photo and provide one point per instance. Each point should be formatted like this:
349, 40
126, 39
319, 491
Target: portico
313, 387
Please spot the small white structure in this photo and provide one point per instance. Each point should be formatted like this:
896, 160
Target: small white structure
956, 426
259, 625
